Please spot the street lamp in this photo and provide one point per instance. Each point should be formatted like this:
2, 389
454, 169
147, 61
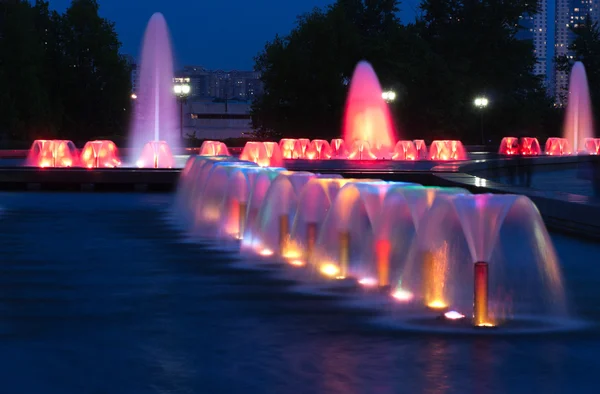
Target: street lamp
481, 103
388, 95
182, 91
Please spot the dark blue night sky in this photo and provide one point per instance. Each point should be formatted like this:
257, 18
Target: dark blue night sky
213, 34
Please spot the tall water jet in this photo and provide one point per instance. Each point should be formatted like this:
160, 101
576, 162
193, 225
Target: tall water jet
579, 123
367, 116
155, 116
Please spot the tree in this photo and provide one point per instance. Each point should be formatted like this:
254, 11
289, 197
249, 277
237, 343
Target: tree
477, 40
96, 85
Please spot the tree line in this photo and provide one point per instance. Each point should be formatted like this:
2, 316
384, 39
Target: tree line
454, 51
61, 75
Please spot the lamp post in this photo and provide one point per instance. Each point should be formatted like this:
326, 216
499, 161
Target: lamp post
388, 96
182, 91
481, 103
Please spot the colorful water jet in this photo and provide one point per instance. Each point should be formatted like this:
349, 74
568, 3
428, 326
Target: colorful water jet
483, 259
557, 147
156, 154
447, 150
155, 112
579, 124
213, 148
100, 154
525, 146
367, 116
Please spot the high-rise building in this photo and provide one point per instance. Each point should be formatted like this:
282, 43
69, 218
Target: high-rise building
569, 14
534, 28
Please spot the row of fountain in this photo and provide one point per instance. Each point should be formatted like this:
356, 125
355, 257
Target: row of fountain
530, 146
442, 251
95, 154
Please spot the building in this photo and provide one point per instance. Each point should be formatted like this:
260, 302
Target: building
569, 13
217, 119
220, 84
535, 28
134, 73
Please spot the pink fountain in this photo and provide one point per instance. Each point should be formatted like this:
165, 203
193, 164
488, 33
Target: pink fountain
579, 124
156, 154
318, 150
423, 152
100, 154
338, 149
155, 113
367, 117
405, 150
557, 147
52, 153
526, 146
592, 146
213, 148
265, 154
447, 150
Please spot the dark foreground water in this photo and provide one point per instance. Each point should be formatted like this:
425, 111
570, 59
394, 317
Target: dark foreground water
98, 295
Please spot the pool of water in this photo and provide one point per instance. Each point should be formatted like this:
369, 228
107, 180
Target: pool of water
99, 295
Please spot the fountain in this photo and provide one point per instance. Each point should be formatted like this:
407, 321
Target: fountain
405, 150
338, 149
265, 154
447, 150
100, 154
156, 154
557, 147
213, 148
318, 150
423, 153
525, 146
367, 117
52, 153
493, 246
443, 259
155, 107
578, 117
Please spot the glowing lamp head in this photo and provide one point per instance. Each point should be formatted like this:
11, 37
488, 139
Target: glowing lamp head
330, 270
266, 252
368, 282
402, 295
453, 315
437, 304
481, 102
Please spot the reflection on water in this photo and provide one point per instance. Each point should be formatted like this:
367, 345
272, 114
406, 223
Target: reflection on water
98, 295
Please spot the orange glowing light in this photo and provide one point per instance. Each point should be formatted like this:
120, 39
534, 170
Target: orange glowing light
265, 154
213, 148
330, 270
437, 304
297, 263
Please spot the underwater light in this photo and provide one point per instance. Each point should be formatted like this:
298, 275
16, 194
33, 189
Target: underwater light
453, 315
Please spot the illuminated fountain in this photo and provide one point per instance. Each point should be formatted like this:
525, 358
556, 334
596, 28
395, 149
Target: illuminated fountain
52, 153
156, 154
265, 154
592, 146
290, 148
155, 110
557, 147
434, 254
405, 150
488, 257
367, 117
318, 150
338, 149
213, 148
578, 117
447, 150
423, 152
525, 146
100, 154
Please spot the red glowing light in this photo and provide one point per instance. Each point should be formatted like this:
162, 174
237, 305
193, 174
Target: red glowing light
213, 148
52, 153
530, 146
265, 154
447, 150
557, 147
509, 146
287, 147
156, 154
367, 117
405, 150
100, 154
